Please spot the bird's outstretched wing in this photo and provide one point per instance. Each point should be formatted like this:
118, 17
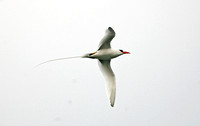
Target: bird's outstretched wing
110, 78
105, 42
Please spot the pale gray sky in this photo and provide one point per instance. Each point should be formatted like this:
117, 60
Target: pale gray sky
157, 85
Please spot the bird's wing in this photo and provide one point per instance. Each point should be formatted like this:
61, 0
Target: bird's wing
110, 78
105, 42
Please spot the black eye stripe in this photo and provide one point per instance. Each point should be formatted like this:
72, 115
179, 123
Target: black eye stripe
121, 50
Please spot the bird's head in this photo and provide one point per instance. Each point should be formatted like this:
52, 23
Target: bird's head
124, 52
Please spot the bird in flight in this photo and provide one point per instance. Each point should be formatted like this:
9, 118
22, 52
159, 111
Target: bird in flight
104, 54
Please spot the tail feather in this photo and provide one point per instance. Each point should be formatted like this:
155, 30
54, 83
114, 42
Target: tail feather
57, 60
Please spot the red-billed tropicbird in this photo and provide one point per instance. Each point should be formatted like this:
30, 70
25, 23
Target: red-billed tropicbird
104, 55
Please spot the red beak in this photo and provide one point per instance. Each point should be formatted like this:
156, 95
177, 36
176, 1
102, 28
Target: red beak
124, 52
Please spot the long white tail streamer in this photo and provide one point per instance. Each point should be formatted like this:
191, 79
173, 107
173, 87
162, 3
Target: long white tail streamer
58, 59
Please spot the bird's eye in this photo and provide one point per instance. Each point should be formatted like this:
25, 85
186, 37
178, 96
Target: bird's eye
121, 50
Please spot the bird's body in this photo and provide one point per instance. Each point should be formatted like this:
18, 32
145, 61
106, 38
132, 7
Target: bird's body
104, 55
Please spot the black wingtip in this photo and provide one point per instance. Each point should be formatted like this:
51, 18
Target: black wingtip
110, 28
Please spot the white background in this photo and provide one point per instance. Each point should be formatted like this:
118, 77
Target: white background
157, 85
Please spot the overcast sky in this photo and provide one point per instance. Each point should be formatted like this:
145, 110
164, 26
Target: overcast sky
157, 85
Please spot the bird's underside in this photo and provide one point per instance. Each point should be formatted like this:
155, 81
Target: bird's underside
104, 54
